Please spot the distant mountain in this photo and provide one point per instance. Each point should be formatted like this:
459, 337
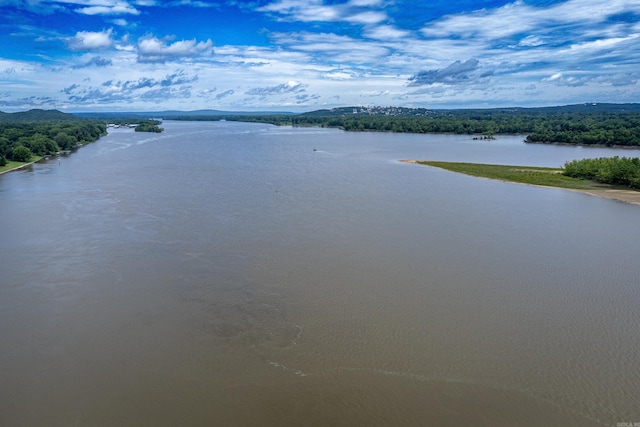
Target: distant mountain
37, 116
176, 113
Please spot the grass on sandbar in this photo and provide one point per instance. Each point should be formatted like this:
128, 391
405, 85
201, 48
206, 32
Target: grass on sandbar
551, 177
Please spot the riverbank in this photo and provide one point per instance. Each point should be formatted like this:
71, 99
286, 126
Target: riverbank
13, 166
536, 176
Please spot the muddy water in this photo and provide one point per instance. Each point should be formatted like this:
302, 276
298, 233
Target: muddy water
228, 274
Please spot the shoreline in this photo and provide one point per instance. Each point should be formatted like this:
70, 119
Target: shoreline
625, 196
568, 144
20, 166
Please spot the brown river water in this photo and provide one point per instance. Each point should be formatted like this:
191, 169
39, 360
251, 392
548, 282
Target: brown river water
224, 273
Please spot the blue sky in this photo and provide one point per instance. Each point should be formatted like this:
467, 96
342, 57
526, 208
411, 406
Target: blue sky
302, 55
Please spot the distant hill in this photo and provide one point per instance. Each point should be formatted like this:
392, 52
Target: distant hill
37, 116
56, 115
402, 111
175, 113
370, 111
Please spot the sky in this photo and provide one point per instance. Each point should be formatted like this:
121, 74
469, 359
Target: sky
304, 55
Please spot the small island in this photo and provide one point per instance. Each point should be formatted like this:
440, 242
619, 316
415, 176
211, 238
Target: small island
137, 124
615, 178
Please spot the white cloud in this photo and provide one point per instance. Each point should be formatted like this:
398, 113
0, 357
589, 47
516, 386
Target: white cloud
284, 88
151, 49
602, 44
369, 17
99, 7
386, 32
88, 40
340, 74
553, 77
355, 12
531, 41
120, 22
114, 9
333, 48
519, 17
366, 3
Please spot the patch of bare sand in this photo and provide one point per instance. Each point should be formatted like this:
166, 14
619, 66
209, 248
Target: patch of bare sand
627, 196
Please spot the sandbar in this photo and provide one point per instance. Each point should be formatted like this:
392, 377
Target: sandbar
626, 196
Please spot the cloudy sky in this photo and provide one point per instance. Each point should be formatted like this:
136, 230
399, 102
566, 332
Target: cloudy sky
302, 55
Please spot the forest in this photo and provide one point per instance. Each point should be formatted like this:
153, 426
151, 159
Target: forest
602, 124
41, 133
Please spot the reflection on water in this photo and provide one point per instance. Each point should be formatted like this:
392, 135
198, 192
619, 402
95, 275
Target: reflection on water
226, 273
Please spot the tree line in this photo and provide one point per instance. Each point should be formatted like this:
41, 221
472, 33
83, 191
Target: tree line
609, 128
623, 171
20, 140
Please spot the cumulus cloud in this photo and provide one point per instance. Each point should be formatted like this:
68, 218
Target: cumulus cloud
570, 80
386, 32
151, 49
96, 61
575, 79
174, 85
29, 102
160, 95
337, 48
284, 88
305, 98
224, 94
89, 40
531, 41
355, 12
369, 17
340, 74
114, 8
69, 89
456, 72
520, 17
627, 79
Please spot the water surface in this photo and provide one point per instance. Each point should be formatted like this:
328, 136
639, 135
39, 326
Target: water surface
227, 273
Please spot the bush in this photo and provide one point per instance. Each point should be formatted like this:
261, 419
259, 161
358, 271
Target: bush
21, 154
607, 170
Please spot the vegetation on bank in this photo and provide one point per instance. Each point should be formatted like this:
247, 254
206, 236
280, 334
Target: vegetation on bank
608, 124
551, 177
149, 126
42, 133
620, 171
587, 174
10, 164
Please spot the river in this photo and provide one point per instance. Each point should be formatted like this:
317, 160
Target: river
226, 273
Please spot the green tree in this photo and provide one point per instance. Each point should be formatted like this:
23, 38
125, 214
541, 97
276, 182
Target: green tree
21, 154
4, 147
65, 141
